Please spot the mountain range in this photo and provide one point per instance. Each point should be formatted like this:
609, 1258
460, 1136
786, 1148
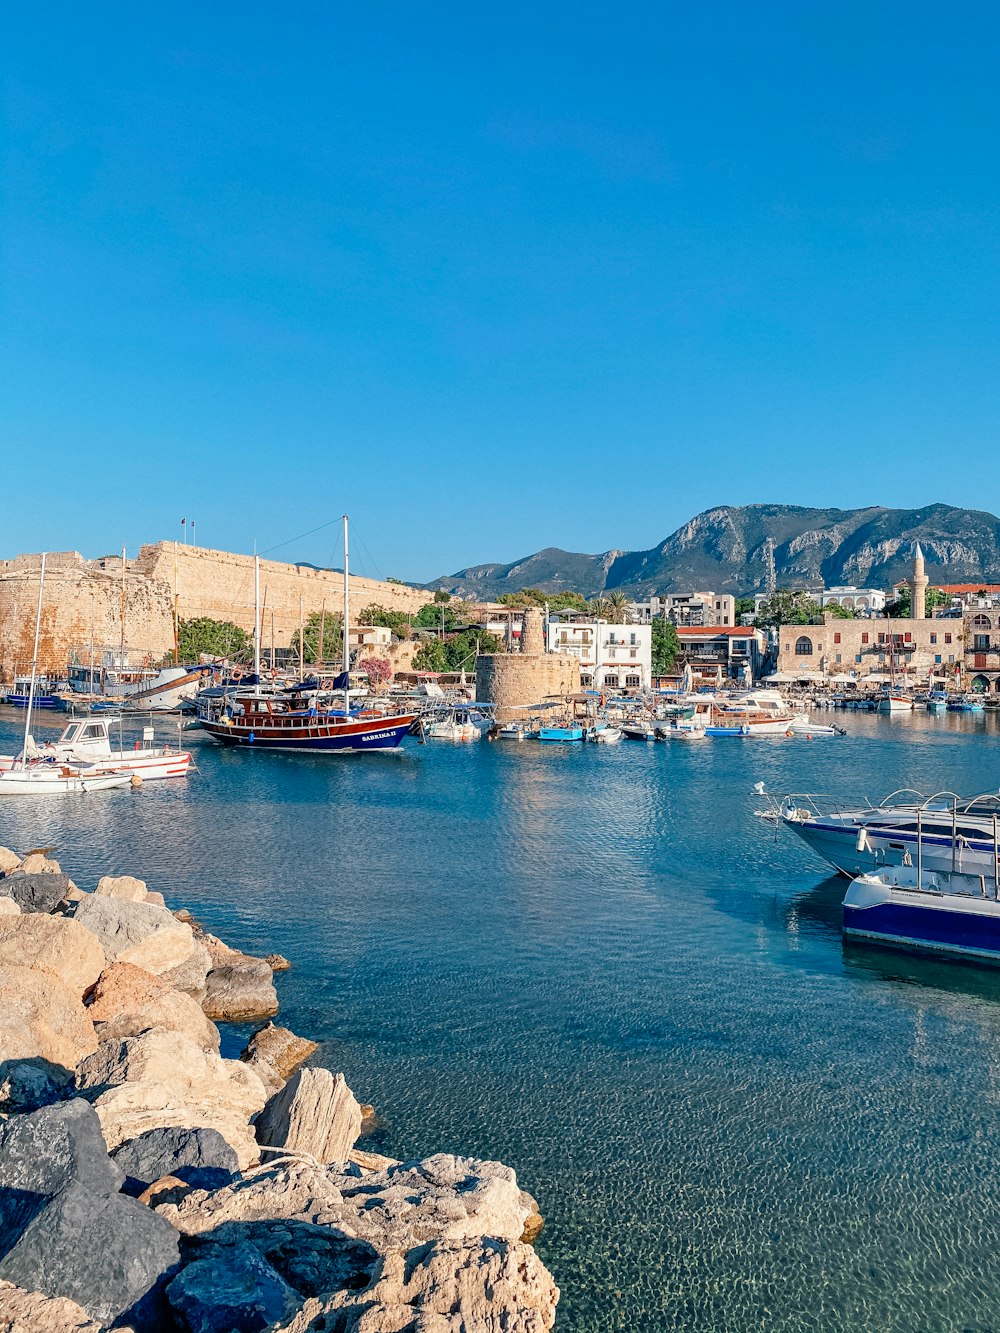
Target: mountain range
752, 548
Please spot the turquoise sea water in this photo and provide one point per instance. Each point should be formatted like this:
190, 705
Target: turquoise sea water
596, 965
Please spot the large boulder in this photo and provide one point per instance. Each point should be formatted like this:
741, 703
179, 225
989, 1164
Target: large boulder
37, 893
128, 1000
240, 989
275, 1053
53, 943
42, 1020
109, 1253
8, 907
9, 861
121, 886
31, 1312
140, 933
197, 1156
190, 975
231, 1288
315, 1112
440, 1198
488, 1285
42, 1153
39, 863
162, 1078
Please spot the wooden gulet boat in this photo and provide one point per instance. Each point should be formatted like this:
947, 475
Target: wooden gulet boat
296, 720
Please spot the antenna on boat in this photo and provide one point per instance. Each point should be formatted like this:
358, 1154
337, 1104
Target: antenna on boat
347, 632
34, 666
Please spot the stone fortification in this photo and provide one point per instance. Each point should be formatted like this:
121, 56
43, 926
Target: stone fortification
510, 681
83, 601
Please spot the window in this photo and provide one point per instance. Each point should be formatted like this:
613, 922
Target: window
933, 638
982, 622
632, 640
611, 682
803, 647
837, 659
836, 639
864, 639
951, 659
908, 638
881, 638
947, 638
980, 643
858, 659
632, 682
937, 659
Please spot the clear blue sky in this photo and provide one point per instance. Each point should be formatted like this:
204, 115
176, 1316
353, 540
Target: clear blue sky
492, 277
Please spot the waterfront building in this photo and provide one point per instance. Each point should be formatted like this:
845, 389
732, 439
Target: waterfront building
611, 657
723, 652
917, 649
687, 608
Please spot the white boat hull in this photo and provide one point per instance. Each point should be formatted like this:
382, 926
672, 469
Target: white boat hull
31, 782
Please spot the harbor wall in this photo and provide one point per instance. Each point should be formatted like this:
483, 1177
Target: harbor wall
83, 601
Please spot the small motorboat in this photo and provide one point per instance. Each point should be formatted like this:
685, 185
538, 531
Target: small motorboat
639, 731
803, 727
38, 778
570, 734
607, 735
456, 724
88, 742
722, 732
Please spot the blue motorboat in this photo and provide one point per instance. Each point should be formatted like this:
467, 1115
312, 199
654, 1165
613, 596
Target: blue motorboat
741, 730
570, 733
947, 913
45, 693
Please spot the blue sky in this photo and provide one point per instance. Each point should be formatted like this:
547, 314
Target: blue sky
491, 278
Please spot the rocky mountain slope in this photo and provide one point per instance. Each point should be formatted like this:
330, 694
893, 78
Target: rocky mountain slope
739, 549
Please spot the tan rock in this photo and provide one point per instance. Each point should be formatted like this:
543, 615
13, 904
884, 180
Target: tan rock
314, 1112
132, 932
122, 886
484, 1284
371, 1161
189, 976
37, 863
8, 907
275, 1053
168, 1189
56, 943
164, 1078
155, 898
42, 1019
128, 1000
8, 860
31, 1312
277, 962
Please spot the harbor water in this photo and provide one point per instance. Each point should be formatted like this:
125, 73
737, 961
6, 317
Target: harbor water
595, 964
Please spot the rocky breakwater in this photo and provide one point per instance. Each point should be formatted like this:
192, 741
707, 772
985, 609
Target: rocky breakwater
148, 1183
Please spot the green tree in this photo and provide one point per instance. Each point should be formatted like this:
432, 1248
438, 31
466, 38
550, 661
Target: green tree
600, 607
439, 616
744, 607
839, 612
556, 601
333, 639
900, 608
397, 621
619, 603
787, 608
456, 651
431, 656
666, 646
214, 638
442, 596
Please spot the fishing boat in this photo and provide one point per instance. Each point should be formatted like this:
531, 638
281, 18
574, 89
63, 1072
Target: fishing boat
607, 735
894, 702
966, 705
45, 693
457, 722
950, 833
908, 907
568, 733
88, 742
304, 721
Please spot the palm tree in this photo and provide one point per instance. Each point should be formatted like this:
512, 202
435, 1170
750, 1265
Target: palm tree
600, 607
618, 604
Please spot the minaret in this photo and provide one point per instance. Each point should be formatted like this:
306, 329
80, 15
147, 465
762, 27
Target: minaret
918, 586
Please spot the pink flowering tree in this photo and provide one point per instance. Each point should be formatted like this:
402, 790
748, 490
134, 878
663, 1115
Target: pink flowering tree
377, 669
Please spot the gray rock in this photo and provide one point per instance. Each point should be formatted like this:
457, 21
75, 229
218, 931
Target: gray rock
314, 1112
240, 989
231, 1289
107, 1252
43, 1152
28, 1085
140, 933
190, 975
200, 1157
37, 893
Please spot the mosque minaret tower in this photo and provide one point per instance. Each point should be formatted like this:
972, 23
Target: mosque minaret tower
918, 586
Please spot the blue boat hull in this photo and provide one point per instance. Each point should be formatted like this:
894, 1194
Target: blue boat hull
39, 701
379, 738
926, 928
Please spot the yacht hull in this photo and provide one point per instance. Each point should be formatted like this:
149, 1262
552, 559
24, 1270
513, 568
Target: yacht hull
937, 922
319, 738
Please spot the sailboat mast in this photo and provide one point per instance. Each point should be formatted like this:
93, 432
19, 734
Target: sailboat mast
121, 653
256, 614
347, 630
34, 665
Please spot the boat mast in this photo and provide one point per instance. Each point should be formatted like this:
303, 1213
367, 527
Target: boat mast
256, 614
347, 632
34, 667
121, 653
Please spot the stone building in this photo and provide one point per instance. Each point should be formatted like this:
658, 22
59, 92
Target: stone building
920, 648
514, 681
84, 601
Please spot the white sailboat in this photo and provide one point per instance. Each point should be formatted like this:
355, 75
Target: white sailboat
39, 777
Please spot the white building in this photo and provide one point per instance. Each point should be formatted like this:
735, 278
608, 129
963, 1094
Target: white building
612, 657
687, 608
862, 601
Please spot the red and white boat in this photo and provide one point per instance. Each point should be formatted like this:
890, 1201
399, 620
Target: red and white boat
87, 741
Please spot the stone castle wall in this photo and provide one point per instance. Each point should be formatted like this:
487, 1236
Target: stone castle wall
83, 601
509, 680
